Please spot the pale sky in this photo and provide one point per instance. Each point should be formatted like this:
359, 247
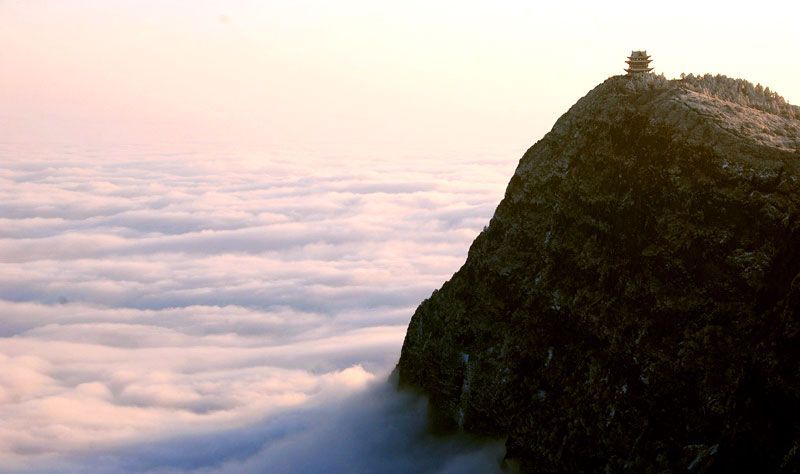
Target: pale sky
353, 71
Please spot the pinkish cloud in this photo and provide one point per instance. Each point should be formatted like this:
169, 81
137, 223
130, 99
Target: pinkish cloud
147, 296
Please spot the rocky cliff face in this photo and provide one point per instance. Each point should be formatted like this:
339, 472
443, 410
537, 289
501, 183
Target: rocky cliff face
634, 303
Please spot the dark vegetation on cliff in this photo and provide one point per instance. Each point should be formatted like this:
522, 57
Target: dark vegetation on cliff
634, 303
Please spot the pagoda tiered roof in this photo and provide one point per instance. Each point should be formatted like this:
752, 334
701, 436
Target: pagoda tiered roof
638, 62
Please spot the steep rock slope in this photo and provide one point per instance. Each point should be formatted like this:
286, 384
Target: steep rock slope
634, 303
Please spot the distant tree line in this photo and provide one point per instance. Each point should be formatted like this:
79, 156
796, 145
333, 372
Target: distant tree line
741, 92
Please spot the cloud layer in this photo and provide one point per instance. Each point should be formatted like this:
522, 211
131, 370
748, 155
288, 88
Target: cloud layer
375, 430
148, 295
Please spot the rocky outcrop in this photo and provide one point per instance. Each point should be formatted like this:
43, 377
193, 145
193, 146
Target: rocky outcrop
634, 303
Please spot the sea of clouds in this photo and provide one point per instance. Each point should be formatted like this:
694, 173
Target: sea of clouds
168, 310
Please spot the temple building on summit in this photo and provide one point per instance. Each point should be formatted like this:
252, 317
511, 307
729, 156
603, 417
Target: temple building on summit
638, 63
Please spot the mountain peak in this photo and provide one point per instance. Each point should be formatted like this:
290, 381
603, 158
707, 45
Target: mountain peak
695, 103
634, 303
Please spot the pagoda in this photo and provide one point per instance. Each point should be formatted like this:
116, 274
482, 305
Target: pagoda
638, 63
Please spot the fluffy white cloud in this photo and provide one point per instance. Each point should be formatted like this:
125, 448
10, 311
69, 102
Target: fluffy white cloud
146, 297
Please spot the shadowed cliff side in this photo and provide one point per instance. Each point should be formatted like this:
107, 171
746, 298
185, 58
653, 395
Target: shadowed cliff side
634, 303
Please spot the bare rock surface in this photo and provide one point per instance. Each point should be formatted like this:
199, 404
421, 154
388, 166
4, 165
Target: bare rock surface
634, 303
